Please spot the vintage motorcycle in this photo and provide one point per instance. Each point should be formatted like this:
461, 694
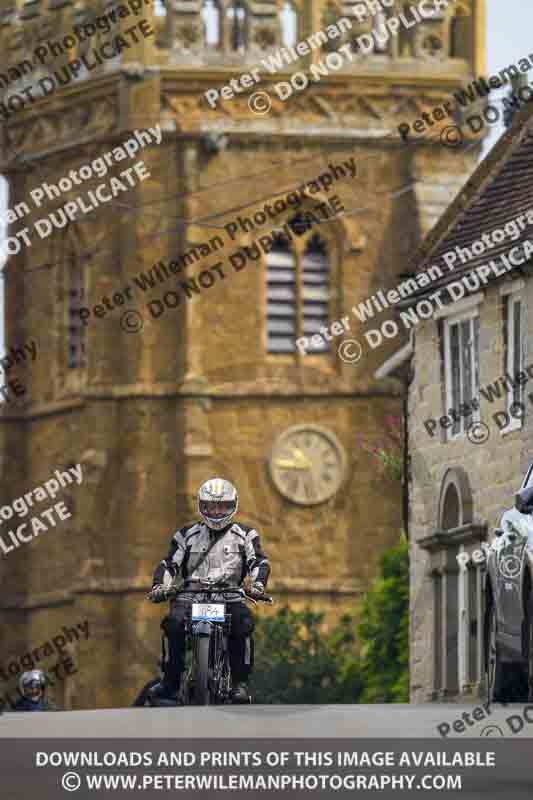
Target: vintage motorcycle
207, 680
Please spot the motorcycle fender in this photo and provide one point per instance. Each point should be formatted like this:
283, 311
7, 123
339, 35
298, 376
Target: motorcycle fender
202, 628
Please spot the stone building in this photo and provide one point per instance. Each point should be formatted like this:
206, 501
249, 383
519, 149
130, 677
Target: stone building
213, 383
470, 422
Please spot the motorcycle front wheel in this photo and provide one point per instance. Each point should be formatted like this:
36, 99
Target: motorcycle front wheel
201, 691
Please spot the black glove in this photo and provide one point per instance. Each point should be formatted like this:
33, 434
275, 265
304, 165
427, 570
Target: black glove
157, 595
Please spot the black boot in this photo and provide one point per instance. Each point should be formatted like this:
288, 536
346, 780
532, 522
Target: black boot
142, 698
162, 694
239, 693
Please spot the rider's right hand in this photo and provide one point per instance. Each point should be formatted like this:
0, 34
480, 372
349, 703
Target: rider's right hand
157, 595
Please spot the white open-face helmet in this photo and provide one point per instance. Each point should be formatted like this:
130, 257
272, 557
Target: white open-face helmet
217, 502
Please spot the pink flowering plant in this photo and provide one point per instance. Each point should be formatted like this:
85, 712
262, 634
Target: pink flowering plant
388, 452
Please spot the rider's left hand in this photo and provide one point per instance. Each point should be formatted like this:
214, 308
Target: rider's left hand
157, 595
258, 587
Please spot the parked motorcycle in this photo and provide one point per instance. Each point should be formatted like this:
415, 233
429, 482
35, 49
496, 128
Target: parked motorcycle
207, 681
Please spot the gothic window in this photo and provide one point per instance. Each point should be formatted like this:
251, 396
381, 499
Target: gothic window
211, 20
236, 16
315, 291
450, 509
297, 291
289, 24
281, 297
77, 355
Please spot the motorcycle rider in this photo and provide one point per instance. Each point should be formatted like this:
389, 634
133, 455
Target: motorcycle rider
32, 688
236, 552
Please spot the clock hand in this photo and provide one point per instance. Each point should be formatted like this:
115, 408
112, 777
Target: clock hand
285, 464
301, 458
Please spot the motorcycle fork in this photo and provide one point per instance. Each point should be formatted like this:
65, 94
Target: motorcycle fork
186, 689
225, 666
218, 663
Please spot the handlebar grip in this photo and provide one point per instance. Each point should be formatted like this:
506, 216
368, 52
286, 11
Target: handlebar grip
156, 598
263, 598
163, 596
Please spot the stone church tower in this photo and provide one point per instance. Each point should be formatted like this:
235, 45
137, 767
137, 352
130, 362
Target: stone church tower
213, 383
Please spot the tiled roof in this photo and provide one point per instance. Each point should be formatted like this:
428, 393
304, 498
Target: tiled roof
499, 190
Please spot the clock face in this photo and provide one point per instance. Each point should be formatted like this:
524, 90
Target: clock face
307, 464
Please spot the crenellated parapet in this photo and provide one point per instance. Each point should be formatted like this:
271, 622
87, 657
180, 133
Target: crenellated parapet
210, 32
226, 33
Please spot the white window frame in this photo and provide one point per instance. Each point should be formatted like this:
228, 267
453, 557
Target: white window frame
470, 314
466, 614
513, 297
463, 643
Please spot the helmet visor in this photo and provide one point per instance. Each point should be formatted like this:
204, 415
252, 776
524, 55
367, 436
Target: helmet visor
217, 509
34, 689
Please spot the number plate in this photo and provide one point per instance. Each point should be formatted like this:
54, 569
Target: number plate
210, 611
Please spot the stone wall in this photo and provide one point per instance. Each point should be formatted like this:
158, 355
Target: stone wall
495, 469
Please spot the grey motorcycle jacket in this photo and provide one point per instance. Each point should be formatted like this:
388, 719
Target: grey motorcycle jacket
236, 554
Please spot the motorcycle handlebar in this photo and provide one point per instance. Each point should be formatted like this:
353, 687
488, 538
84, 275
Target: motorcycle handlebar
173, 592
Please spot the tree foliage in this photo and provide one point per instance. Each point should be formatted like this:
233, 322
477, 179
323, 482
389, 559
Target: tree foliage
298, 662
384, 631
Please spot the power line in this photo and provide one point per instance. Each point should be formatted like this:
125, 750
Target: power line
199, 222
204, 221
